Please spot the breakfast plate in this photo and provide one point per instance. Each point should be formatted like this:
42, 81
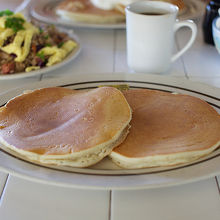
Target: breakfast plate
106, 175
44, 11
72, 56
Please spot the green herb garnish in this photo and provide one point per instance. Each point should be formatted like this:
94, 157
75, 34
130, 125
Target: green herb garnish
52, 26
60, 44
120, 87
6, 12
41, 30
46, 36
41, 55
16, 24
48, 45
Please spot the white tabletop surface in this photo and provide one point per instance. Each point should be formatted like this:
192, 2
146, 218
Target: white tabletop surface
104, 51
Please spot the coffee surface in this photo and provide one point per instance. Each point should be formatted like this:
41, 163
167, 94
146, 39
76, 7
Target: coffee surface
152, 13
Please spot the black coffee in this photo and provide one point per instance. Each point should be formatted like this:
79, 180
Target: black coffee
152, 13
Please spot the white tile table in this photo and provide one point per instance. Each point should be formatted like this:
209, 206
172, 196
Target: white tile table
104, 51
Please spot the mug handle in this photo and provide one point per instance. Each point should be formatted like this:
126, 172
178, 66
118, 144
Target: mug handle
190, 24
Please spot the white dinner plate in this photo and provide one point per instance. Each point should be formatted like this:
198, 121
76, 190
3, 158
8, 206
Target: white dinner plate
44, 11
105, 174
44, 70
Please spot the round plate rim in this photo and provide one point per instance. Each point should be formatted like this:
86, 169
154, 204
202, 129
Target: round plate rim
59, 178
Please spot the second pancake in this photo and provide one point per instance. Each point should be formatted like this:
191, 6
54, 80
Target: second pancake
167, 129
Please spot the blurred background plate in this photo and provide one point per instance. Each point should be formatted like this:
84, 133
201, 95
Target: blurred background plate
194, 9
43, 11
70, 57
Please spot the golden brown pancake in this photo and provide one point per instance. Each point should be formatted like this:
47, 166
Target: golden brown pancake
179, 3
167, 129
65, 127
85, 11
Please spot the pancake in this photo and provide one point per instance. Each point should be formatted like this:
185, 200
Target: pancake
179, 3
65, 127
85, 11
167, 129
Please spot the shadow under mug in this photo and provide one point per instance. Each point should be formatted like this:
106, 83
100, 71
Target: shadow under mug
151, 27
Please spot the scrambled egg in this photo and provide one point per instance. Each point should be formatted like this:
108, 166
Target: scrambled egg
22, 43
58, 54
30, 68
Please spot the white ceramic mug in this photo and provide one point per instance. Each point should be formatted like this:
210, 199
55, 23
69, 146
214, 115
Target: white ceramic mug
151, 27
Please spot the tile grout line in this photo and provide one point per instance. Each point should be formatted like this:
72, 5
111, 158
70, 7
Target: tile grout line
41, 76
110, 206
114, 49
217, 183
4, 187
181, 58
184, 68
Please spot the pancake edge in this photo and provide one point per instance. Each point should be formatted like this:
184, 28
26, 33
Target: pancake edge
160, 160
84, 158
90, 18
